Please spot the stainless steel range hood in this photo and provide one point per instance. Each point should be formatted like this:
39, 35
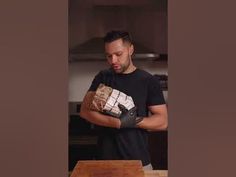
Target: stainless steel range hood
93, 49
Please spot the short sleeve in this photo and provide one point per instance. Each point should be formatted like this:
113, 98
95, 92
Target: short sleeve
96, 81
155, 94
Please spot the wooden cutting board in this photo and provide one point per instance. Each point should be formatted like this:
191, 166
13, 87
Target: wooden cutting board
108, 168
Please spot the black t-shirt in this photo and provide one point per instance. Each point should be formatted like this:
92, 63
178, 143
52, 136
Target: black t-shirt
128, 143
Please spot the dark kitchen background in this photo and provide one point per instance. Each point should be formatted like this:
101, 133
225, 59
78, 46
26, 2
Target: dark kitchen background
89, 20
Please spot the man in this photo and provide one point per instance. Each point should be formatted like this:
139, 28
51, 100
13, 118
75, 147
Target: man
125, 136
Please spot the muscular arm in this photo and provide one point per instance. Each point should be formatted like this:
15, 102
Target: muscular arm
96, 117
157, 121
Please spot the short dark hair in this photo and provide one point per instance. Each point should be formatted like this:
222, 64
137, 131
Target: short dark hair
114, 35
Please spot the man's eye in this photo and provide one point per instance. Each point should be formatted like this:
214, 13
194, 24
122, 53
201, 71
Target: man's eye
119, 54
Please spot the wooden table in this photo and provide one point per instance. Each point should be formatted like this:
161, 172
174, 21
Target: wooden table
114, 168
155, 173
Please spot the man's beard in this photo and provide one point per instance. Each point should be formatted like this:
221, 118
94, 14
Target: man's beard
123, 67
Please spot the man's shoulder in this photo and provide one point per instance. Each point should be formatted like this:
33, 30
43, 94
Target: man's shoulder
144, 73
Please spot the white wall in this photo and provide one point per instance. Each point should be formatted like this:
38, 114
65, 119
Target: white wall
81, 75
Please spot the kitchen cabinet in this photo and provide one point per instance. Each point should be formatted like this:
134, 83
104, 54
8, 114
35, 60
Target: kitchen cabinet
82, 140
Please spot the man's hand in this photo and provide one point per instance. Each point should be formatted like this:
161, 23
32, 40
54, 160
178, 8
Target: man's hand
128, 118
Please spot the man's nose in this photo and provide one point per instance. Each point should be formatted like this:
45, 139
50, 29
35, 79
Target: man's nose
113, 59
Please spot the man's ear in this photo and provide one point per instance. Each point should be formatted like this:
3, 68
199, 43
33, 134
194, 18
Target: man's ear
131, 49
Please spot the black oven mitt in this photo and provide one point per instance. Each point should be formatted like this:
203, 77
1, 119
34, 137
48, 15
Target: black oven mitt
128, 118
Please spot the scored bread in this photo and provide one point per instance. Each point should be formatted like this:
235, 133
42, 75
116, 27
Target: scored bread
106, 100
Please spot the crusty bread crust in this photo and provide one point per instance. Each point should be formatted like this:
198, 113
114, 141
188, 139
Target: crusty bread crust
100, 98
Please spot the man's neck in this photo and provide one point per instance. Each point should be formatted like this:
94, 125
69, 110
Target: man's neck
130, 69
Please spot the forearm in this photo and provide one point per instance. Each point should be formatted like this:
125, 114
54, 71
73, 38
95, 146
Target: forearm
100, 119
154, 122
96, 117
